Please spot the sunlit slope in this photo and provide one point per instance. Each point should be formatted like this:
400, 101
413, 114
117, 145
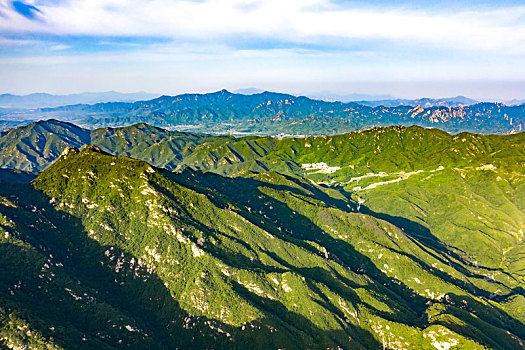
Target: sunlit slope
478, 211
135, 255
35, 146
389, 149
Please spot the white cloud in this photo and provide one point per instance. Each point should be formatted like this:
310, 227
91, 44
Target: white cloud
59, 47
390, 44
16, 42
305, 21
274, 65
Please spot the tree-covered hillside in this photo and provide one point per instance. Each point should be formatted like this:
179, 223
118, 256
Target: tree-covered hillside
397, 148
104, 251
396, 237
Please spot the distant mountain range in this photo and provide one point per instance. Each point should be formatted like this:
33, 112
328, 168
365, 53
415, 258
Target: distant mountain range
43, 100
352, 97
423, 102
382, 100
515, 102
390, 101
138, 237
270, 113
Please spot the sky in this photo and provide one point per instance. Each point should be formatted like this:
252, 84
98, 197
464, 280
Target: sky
405, 49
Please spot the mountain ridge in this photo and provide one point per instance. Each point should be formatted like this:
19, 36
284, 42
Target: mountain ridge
269, 113
35, 146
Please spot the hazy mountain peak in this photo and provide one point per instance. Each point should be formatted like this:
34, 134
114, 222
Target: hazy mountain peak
45, 100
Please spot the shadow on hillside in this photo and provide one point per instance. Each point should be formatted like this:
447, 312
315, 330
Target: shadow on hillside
430, 244
15, 176
484, 323
290, 226
137, 299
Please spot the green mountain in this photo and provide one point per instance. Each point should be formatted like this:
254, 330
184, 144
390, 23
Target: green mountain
269, 113
391, 149
104, 251
395, 237
35, 146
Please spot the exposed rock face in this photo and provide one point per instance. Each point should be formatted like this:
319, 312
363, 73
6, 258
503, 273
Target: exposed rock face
416, 110
69, 150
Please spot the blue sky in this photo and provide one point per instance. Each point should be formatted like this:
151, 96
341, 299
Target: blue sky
402, 48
